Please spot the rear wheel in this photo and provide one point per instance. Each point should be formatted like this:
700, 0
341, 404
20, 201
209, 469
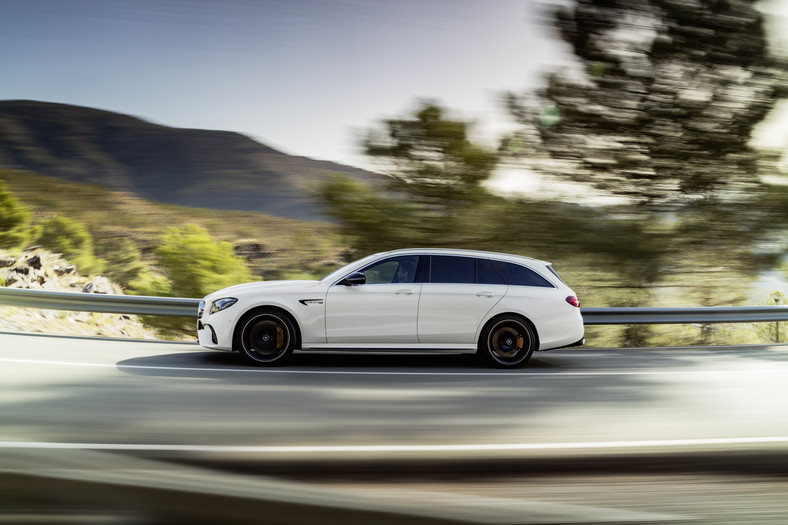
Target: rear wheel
267, 337
508, 342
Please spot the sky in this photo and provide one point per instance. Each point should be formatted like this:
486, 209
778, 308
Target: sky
307, 77
303, 76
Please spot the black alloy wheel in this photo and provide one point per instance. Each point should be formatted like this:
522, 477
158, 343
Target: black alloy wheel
267, 337
508, 342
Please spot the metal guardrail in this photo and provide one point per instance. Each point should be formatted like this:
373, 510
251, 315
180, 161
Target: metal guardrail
94, 302
708, 314
182, 307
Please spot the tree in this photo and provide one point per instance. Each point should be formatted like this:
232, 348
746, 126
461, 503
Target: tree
16, 228
660, 112
430, 158
670, 94
776, 332
435, 175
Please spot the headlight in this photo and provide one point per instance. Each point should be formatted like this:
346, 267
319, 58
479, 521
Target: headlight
222, 304
200, 309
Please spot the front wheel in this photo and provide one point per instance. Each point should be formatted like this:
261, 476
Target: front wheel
507, 342
267, 338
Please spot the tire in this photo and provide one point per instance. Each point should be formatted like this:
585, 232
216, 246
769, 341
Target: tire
508, 342
267, 337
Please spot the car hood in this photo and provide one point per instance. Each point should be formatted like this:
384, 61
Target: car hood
262, 287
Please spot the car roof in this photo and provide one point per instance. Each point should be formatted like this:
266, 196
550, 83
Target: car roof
467, 253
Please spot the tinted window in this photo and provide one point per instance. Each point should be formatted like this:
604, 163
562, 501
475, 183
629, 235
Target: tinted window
448, 269
517, 275
486, 273
394, 270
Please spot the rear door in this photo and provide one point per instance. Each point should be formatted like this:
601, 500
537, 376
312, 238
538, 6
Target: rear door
456, 296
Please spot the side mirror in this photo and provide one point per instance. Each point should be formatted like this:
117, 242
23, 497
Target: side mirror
354, 279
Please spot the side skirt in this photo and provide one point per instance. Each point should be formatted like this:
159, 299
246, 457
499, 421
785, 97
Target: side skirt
398, 348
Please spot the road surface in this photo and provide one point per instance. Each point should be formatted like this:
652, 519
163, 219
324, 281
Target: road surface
577, 436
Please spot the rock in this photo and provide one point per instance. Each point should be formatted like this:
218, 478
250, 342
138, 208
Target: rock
21, 270
64, 270
35, 262
100, 285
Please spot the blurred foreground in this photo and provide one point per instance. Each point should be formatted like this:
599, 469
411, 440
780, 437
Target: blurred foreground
63, 488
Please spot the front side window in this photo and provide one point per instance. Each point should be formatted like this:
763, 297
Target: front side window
393, 270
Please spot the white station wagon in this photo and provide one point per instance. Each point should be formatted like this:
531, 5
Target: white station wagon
502, 307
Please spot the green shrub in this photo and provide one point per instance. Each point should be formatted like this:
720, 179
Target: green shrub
72, 240
124, 262
193, 264
16, 230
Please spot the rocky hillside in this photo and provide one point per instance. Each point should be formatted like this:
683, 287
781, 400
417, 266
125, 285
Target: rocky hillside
41, 270
191, 167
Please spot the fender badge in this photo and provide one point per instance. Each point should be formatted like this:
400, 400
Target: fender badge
307, 302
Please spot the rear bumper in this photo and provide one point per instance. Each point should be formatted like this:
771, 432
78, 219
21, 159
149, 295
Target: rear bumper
581, 342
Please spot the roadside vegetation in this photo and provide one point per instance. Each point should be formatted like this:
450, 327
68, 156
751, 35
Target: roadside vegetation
155, 249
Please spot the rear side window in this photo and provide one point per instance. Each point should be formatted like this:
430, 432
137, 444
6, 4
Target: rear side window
486, 272
449, 269
517, 275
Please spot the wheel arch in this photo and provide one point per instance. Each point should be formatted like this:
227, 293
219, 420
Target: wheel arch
239, 324
501, 315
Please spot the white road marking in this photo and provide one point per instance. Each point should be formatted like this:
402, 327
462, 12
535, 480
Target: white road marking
500, 373
349, 449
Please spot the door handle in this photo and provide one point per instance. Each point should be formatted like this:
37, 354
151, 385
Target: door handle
404, 292
485, 294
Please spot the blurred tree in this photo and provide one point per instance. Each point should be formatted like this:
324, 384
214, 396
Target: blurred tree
670, 93
436, 198
193, 264
73, 240
435, 185
774, 332
16, 229
430, 158
660, 112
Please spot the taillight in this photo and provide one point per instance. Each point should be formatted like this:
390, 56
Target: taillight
573, 300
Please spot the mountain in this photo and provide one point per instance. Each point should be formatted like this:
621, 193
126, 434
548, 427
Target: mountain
190, 167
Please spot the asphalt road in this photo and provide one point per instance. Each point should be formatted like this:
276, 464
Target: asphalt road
574, 429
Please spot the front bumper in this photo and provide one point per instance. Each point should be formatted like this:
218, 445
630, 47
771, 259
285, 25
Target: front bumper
216, 331
206, 335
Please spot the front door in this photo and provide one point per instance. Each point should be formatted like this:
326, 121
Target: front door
384, 310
